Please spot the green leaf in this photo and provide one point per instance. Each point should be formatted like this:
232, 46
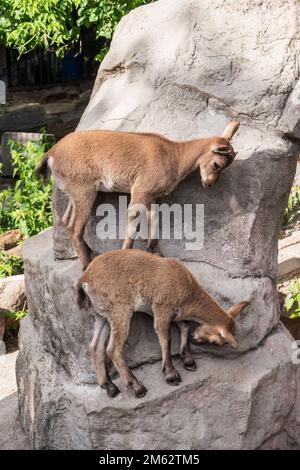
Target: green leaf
26, 25
289, 303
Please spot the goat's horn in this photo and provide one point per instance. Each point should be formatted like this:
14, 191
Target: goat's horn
230, 129
236, 309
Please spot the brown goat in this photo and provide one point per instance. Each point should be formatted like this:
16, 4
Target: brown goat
121, 282
148, 166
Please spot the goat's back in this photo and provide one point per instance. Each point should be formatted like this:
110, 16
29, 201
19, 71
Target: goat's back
83, 156
122, 274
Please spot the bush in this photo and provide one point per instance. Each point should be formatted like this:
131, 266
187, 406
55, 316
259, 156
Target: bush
15, 317
27, 205
292, 300
53, 24
10, 265
292, 206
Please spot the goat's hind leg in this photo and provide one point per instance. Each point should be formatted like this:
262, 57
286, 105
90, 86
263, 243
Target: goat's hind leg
81, 211
98, 353
162, 328
185, 352
118, 336
66, 217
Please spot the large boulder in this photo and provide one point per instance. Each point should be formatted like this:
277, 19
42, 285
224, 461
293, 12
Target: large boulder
174, 68
183, 69
227, 404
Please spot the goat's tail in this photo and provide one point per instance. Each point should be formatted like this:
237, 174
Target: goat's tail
82, 299
42, 170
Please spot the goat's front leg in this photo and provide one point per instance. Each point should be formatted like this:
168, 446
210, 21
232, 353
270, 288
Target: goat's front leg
185, 352
140, 202
162, 328
98, 352
119, 334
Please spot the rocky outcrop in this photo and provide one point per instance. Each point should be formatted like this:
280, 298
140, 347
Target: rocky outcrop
194, 84
226, 404
183, 69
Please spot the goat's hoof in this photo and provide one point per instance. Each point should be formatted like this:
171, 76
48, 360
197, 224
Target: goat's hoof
189, 364
112, 390
173, 378
140, 392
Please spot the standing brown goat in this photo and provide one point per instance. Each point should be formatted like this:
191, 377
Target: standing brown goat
148, 166
121, 282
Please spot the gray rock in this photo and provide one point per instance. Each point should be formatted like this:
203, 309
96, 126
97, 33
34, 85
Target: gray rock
12, 437
63, 117
239, 58
27, 117
56, 376
8, 383
195, 84
12, 293
2, 347
226, 404
183, 69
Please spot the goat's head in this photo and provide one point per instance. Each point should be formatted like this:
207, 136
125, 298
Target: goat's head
218, 155
220, 333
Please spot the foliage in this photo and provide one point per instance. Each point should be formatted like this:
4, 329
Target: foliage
292, 300
2, 109
27, 24
16, 317
27, 205
292, 205
10, 265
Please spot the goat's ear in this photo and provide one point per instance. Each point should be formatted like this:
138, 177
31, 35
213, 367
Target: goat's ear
236, 309
230, 129
229, 338
222, 150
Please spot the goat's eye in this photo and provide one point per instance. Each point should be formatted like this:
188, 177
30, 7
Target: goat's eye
217, 166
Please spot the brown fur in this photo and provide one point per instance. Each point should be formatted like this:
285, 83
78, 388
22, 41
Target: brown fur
121, 282
148, 166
